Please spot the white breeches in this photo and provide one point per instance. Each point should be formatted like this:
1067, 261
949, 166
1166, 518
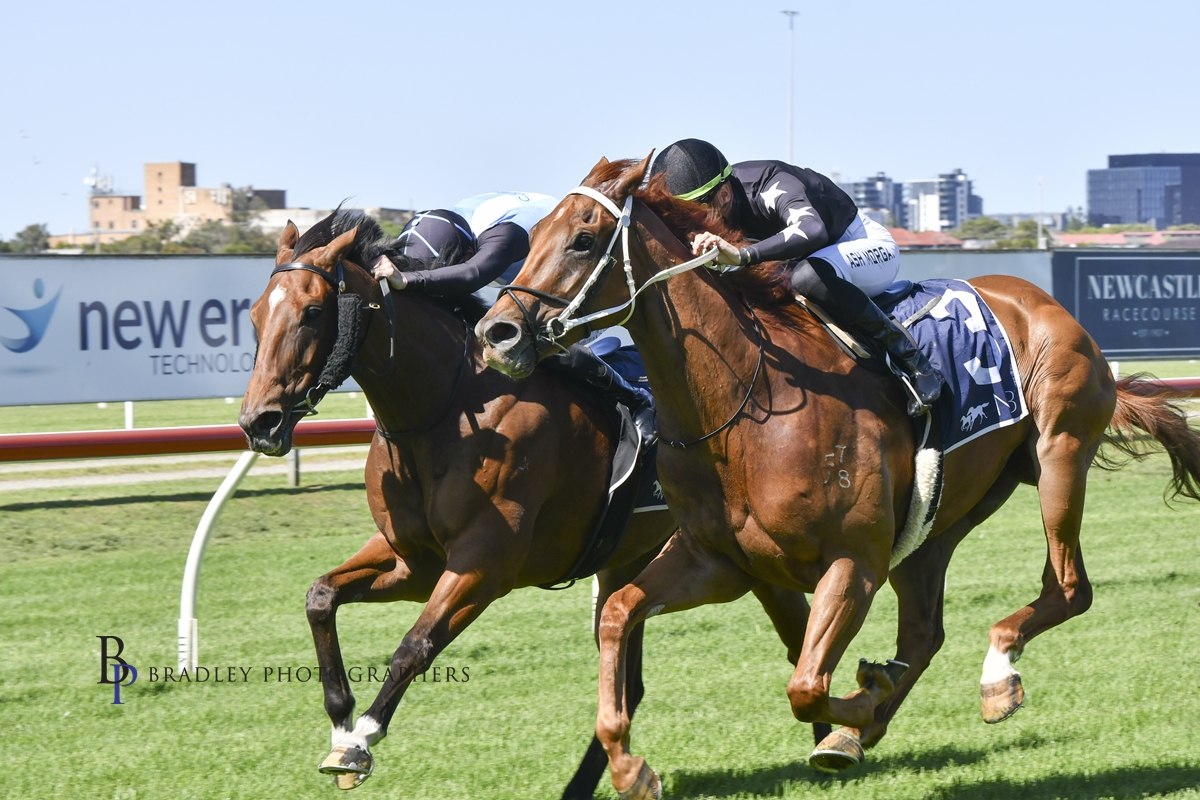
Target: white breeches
866, 255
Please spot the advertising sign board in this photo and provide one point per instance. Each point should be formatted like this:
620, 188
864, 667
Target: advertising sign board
1134, 303
79, 329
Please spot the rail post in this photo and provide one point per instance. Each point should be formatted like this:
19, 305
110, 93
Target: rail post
189, 657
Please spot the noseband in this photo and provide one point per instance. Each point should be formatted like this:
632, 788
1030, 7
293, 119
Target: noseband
557, 327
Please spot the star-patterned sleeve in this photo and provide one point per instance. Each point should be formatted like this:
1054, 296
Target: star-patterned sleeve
801, 231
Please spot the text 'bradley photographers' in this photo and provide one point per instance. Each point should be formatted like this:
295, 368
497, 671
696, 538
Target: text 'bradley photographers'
115, 671
438, 674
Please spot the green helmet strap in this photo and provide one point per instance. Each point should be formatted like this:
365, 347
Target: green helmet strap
708, 187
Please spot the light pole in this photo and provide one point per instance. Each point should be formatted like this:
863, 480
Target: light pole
791, 15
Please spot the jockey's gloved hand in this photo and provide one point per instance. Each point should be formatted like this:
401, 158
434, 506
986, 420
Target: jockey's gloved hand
385, 269
727, 254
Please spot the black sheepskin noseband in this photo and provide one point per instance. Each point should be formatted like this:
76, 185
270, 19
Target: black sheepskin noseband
345, 346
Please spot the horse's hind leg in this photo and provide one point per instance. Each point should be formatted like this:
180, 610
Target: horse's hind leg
583, 784
374, 574
683, 576
1064, 460
919, 582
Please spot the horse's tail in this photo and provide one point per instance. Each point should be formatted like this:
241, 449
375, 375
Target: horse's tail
1146, 405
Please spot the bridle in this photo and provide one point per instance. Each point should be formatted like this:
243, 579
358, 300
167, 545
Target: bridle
553, 330
318, 391
557, 328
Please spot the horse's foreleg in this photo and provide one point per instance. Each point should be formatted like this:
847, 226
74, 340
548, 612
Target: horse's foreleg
462, 592
374, 574
788, 611
682, 576
583, 784
1066, 591
839, 606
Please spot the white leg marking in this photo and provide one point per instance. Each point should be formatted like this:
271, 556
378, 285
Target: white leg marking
276, 295
339, 733
366, 733
996, 667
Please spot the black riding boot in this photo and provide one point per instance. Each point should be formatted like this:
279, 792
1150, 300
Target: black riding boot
924, 381
583, 366
850, 307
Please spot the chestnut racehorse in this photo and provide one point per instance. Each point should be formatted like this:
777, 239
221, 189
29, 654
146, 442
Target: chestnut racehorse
477, 484
735, 359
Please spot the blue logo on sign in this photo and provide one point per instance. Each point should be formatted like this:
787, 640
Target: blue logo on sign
35, 319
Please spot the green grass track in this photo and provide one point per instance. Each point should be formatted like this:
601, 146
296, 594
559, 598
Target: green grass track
1113, 709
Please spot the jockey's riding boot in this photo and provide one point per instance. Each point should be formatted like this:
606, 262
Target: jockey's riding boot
816, 279
580, 364
923, 381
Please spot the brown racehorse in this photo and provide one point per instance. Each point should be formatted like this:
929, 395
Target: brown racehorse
755, 502
478, 484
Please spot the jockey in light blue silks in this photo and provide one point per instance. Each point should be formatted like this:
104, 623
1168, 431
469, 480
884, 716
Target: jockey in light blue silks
483, 241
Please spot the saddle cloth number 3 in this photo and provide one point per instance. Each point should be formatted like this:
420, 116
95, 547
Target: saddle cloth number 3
983, 376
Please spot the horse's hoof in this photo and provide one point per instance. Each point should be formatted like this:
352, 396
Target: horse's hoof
646, 787
838, 751
349, 766
348, 780
1002, 698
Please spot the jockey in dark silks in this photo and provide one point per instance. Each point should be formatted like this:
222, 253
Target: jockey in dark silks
482, 241
839, 258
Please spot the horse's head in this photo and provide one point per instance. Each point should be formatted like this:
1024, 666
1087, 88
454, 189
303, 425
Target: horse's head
297, 321
574, 265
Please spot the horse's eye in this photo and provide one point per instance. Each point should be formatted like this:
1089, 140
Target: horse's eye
312, 313
583, 242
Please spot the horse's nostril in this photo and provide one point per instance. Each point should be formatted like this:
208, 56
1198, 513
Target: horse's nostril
500, 331
266, 422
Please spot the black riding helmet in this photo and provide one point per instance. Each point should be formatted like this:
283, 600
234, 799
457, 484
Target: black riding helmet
437, 238
694, 169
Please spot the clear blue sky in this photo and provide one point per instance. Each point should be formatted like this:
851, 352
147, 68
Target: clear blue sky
424, 103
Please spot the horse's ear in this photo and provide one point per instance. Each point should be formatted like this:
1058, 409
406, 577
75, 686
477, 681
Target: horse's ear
601, 164
630, 179
287, 242
331, 252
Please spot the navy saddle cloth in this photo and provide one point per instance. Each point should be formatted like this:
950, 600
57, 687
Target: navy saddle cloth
970, 348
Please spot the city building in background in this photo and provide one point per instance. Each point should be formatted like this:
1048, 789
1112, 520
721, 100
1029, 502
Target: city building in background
932, 204
171, 195
1157, 189
879, 198
940, 204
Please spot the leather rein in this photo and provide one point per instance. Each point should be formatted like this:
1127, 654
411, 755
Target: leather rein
320, 389
557, 327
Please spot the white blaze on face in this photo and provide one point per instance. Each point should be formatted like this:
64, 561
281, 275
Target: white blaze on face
277, 295
997, 667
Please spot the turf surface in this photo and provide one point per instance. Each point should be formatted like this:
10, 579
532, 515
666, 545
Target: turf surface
1112, 711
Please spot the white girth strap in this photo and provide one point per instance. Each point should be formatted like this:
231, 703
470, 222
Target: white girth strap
565, 321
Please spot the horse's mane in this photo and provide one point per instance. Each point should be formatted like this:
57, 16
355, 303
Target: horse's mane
370, 243
766, 286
